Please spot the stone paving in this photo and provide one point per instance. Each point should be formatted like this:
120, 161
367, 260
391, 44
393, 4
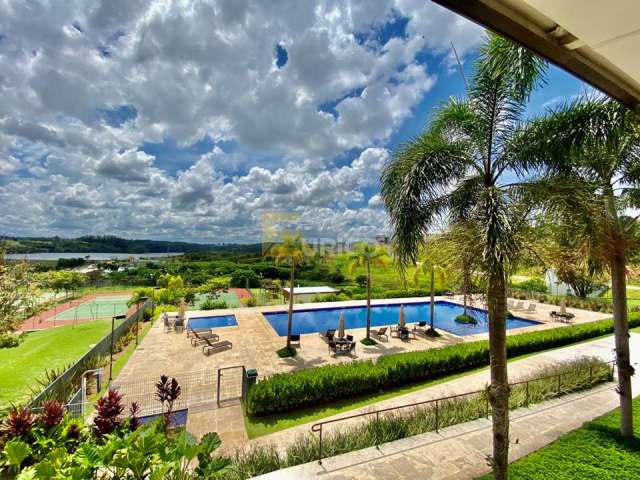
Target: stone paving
254, 345
459, 452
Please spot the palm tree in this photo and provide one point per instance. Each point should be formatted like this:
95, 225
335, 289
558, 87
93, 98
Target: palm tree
455, 168
592, 151
292, 251
432, 267
366, 255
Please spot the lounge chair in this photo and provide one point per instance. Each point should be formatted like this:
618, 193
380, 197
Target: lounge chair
202, 337
214, 347
381, 332
295, 338
168, 326
531, 308
420, 326
191, 330
510, 303
518, 306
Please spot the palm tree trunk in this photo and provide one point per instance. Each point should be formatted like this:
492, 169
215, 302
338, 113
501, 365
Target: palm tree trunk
465, 285
499, 388
368, 299
290, 319
621, 329
432, 303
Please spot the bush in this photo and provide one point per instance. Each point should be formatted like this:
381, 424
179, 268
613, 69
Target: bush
362, 281
211, 304
303, 388
466, 319
251, 302
536, 284
8, 340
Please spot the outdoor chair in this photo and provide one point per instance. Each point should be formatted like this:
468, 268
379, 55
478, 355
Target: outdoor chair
191, 331
167, 324
510, 303
350, 338
531, 308
329, 334
420, 326
295, 338
214, 347
202, 337
178, 324
333, 348
352, 347
381, 332
518, 306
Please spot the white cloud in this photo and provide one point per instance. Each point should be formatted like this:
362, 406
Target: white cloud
204, 68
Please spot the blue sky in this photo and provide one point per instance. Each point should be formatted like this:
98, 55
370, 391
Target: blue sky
204, 123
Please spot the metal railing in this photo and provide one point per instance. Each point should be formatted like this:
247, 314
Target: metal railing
235, 389
437, 402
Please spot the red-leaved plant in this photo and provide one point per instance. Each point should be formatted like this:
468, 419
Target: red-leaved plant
52, 414
134, 419
167, 392
18, 423
109, 413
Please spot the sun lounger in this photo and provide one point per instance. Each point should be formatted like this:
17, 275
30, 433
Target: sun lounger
214, 347
510, 303
531, 308
518, 306
202, 337
191, 330
381, 332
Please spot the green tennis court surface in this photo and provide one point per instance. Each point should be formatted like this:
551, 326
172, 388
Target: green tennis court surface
229, 297
100, 307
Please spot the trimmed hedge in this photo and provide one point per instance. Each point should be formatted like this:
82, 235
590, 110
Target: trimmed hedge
304, 388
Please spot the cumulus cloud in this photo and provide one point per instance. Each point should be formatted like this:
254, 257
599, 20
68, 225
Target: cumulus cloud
306, 136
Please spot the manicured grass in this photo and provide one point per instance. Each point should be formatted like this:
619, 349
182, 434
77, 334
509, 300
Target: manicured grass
592, 452
21, 366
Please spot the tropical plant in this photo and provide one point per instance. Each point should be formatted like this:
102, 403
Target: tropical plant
366, 255
292, 251
591, 150
456, 168
17, 292
167, 392
433, 263
109, 410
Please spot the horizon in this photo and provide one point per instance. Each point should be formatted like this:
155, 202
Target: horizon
125, 122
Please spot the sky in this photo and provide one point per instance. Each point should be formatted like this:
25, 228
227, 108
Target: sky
216, 121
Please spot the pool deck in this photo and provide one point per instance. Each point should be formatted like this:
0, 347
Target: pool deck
255, 343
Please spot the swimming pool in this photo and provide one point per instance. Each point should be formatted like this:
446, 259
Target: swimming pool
212, 322
319, 320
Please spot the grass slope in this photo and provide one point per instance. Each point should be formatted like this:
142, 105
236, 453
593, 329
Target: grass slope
595, 451
21, 366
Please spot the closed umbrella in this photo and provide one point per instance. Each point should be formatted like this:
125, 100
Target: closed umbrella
341, 325
563, 307
401, 321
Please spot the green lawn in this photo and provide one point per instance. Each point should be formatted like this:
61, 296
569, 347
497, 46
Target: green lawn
595, 451
21, 366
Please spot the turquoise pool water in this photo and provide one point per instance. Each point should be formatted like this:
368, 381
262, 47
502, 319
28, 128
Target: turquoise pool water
319, 320
212, 321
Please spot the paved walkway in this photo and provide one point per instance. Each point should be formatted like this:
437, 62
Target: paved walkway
460, 451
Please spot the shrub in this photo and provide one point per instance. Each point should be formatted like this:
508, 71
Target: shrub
18, 423
109, 413
466, 319
251, 302
361, 280
211, 304
303, 388
536, 284
146, 315
243, 278
52, 414
8, 340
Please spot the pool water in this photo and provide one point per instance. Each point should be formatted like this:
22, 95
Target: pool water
212, 322
320, 320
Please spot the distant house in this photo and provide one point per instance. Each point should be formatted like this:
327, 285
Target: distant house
306, 294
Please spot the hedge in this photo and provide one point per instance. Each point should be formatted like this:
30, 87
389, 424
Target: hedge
304, 388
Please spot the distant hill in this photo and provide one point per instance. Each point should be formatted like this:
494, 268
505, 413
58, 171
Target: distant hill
106, 244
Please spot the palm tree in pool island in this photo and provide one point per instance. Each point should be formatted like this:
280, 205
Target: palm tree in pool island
432, 267
366, 255
455, 169
292, 251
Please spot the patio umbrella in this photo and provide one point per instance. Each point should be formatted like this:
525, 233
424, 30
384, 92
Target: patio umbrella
401, 321
563, 307
341, 325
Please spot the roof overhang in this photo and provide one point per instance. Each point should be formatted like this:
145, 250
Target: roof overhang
598, 41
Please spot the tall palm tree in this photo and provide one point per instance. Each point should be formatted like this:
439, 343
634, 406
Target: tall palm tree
455, 168
431, 266
292, 251
592, 148
366, 255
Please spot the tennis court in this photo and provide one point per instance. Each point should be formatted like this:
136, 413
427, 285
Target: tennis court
94, 308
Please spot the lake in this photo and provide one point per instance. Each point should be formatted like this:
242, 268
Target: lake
93, 256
